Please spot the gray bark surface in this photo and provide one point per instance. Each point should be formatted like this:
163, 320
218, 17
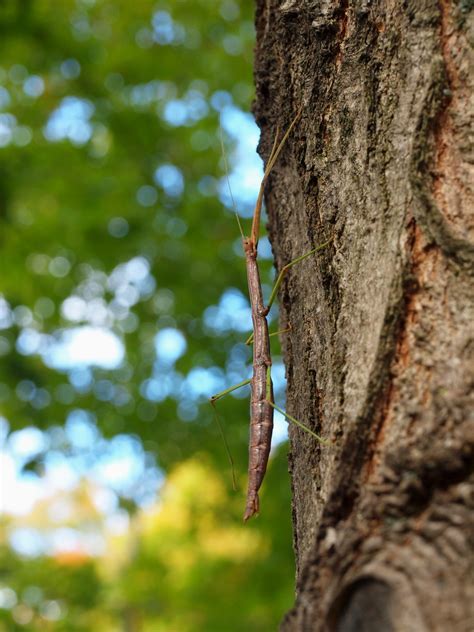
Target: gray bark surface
380, 354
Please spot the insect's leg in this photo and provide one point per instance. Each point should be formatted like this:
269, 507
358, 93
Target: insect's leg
274, 333
269, 398
286, 267
280, 278
298, 423
217, 396
212, 401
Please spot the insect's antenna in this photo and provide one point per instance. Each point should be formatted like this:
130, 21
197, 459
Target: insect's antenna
275, 152
227, 449
226, 167
274, 155
258, 205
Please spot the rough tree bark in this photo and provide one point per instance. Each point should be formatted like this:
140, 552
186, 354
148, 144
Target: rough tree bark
379, 357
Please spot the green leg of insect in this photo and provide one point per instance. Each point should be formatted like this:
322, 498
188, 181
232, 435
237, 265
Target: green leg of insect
289, 417
217, 396
298, 423
285, 269
212, 401
281, 276
274, 333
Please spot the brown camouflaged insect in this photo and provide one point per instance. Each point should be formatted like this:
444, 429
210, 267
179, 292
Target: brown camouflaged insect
262, 403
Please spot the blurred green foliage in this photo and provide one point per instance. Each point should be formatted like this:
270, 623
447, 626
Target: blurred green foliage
186, 564
110, 153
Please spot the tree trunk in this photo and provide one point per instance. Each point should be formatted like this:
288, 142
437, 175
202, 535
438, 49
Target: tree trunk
379, 356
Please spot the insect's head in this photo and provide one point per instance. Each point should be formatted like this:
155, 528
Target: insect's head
248, 244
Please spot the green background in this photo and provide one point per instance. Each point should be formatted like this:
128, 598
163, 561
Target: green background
138, 86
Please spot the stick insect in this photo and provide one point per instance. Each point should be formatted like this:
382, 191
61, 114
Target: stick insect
262, 402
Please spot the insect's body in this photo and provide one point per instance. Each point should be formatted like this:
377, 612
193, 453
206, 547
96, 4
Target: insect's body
262, 403
261, 409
